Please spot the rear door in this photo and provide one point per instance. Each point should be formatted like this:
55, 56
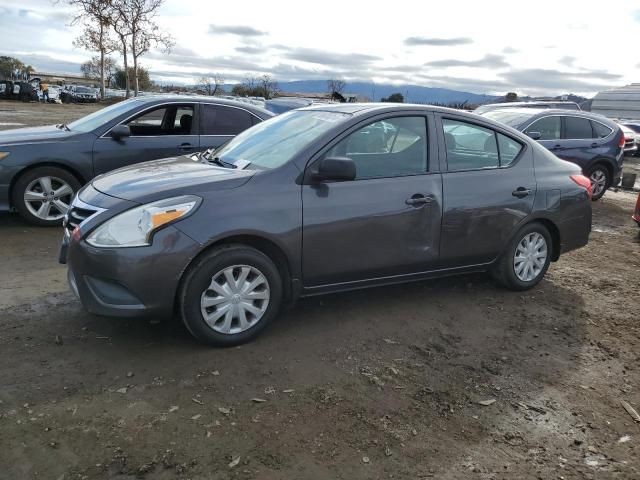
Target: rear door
580, 143
488, 189
384, 223
220, 123
161, 131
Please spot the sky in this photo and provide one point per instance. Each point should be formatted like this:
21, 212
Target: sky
532, 48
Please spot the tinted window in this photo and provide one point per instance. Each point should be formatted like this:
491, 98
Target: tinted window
219, 120
600, 130
509, 149
576, 127
469, 146
548, 127
390, 148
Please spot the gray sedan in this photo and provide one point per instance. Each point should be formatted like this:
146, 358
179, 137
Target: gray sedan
41, 168
319, 200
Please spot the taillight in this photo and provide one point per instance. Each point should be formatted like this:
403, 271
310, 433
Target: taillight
622, 140
583, 182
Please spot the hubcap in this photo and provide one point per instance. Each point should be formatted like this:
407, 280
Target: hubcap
48, 198
235, 300
530, 257
598, 181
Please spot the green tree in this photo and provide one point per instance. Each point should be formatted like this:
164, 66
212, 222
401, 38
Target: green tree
394, 98
9, 66
511, 97
144, 82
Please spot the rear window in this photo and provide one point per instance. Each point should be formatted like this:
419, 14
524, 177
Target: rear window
577, 128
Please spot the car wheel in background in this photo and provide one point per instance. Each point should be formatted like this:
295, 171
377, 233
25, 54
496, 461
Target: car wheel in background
526, 259
600, 181
43, 195
229, 295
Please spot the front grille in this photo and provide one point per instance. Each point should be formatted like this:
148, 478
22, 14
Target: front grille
77, 215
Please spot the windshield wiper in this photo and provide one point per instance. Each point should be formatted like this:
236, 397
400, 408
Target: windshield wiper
220, 162
63, 126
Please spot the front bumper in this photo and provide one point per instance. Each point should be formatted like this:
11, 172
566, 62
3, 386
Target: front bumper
128, 282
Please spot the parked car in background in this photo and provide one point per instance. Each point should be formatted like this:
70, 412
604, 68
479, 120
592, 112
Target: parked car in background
636, 213
318, 200
635, 127
534, 104
54, 94
41, 168
630, 146
79, 94
10, 90
591, 141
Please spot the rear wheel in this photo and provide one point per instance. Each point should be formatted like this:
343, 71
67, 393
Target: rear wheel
526, 260
600, 181
229, 296
42, 196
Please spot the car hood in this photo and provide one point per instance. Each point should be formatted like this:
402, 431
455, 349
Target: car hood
47, 133
144, 182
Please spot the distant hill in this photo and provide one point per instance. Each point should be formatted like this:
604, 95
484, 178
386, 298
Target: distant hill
413, 93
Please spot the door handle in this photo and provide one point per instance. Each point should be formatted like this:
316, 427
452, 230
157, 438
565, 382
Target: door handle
556, 147
521, 192
418, 200
594, 145
185, 147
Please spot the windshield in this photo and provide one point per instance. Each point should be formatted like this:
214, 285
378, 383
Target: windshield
275, 142
99, 118
83, 90
508, 117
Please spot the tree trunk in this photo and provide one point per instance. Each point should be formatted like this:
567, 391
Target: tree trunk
126, 66
134, 54
101, 60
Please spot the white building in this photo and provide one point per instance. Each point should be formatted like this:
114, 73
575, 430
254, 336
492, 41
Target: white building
622, 102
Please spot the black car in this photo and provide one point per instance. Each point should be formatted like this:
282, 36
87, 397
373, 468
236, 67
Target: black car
318, 200
25, 91
589, 140
41, 168
79, 94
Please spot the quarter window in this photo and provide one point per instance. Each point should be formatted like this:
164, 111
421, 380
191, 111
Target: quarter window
577, 128
600, 130
509, 149
548, 128
389, 148
221, 120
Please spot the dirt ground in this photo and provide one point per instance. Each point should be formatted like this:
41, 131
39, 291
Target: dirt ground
385, 383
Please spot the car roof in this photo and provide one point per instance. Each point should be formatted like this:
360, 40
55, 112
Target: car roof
533, 102
361, 108
203, 99
534, 112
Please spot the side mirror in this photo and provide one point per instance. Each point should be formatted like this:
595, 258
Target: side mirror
534, 135
336, 168
120, 131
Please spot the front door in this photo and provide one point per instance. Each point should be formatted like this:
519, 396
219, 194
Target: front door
384, 223
164, 131
488, 189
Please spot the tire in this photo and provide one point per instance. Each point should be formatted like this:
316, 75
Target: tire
599, 173
34, 182
196, 298
505, 269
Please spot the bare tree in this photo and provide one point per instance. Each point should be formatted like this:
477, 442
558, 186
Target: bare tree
212, 83
96, 15
336, 85
267, 86
98, 67
122, 27
143, 33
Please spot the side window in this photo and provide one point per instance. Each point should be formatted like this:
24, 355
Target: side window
220, 120
165, 120
600, 130
548, 127
469, 146
392, 147
509, 149
577, 128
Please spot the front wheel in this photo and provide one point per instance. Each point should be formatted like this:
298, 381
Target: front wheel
600, 181
42, 196
526, 260
229, 295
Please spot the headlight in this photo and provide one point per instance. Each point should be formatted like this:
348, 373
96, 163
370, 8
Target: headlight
135, 227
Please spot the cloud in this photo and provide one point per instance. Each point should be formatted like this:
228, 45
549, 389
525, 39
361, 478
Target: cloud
437, 42
567, 60
242, 30
509, 50
248, 49
48, 64
488, 61
636, 16
559, 80
323, 57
